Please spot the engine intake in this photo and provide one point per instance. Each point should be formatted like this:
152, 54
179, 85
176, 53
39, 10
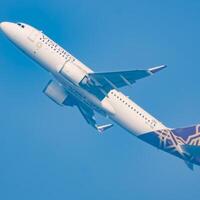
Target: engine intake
56, 93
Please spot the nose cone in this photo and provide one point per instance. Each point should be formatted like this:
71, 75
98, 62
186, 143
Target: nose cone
6, 27
2, 24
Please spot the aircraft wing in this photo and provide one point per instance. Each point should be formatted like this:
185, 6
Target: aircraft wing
89, 116
114, 80
87, 113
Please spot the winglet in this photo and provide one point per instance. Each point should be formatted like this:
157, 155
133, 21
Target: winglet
156, 69
102, 128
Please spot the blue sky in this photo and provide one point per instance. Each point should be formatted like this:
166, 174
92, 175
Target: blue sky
49, 152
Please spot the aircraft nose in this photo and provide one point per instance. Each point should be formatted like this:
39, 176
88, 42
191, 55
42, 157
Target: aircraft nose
3, 25
6, 27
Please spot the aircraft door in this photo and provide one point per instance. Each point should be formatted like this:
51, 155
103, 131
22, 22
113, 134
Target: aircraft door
33, 35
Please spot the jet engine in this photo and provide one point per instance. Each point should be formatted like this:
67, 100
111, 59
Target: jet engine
57, 93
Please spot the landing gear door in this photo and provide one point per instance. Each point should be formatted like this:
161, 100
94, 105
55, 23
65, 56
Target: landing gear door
33, 35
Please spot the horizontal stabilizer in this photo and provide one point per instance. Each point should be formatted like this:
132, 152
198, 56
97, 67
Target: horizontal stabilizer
189, 165
192, 150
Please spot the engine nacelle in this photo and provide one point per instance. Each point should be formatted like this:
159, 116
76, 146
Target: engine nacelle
73, 72
57, 93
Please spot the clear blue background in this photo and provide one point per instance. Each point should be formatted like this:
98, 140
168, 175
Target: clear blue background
49, 152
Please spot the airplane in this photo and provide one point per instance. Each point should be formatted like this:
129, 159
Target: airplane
75, 84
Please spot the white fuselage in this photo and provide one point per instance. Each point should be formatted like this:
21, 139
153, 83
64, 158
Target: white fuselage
76, 84
53, 58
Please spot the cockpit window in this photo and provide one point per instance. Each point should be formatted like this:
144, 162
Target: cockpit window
21, 25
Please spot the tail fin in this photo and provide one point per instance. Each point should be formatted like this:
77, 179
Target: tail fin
188, 135
181, 142
187, 144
